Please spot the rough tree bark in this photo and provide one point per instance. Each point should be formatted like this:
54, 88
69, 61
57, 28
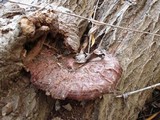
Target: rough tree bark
138, 54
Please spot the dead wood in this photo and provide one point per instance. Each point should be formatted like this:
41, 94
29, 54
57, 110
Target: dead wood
138, 54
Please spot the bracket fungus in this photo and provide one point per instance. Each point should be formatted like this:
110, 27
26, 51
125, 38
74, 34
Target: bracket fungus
64, 78
60, 75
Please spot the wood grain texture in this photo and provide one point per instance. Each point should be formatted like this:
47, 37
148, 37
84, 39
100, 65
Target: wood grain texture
138, 54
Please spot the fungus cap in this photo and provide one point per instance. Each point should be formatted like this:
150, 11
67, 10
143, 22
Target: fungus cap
63, 78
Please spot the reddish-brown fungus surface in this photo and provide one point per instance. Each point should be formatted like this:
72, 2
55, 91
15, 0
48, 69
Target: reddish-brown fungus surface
63, 78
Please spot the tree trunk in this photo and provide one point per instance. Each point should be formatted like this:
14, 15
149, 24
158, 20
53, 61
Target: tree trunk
138, 54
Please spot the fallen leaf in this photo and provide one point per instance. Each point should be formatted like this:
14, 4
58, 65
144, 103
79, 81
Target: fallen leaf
92, 30
155, 116
92, 40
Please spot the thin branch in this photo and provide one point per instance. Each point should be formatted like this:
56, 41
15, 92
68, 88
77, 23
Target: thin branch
42, 8
94, 16
24, 4
92, 20
125, 95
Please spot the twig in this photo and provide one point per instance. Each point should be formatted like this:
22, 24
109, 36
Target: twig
137, 91
24, 4
50, 47
102, 23
94, 16
94, 21
42, 8
95, 10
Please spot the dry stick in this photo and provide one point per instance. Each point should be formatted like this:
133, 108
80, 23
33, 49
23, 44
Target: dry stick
103, 23
24, 4
94, 16
42, 8
125, 95
93, 21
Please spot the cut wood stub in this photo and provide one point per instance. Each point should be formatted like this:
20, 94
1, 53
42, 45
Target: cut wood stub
63, 78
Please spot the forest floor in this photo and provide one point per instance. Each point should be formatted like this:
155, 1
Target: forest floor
151, 110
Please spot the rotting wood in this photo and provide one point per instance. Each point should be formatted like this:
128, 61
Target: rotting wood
97, 81
137, 52
10, 59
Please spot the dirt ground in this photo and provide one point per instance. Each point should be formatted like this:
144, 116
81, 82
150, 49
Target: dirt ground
151, 108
